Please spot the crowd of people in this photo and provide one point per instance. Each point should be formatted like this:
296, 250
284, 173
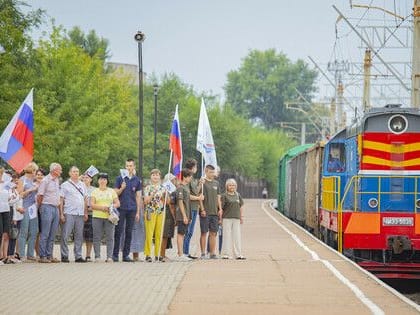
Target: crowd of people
130, 218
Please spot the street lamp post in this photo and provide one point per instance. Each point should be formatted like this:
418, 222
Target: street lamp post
140, 37
155, 93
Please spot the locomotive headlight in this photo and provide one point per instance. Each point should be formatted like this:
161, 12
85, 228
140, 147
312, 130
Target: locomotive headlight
418, 203
397, 124
373, 202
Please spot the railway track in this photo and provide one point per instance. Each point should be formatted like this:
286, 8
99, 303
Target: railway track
410, 288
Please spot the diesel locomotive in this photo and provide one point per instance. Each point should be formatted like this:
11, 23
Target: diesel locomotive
360, 191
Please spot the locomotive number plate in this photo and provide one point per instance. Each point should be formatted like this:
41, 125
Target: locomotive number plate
389, 221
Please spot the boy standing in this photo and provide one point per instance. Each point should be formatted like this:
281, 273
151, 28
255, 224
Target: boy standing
183, 213
211, 211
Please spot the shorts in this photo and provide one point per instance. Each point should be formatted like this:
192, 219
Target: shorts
88, 230
5, 222
209, 223
182, 227
169, 226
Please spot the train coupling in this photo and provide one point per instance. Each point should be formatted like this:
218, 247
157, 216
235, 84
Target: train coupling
399, 243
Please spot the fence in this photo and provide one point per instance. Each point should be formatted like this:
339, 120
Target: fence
248, 188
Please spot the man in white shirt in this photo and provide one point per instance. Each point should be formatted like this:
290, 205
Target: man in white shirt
73, 214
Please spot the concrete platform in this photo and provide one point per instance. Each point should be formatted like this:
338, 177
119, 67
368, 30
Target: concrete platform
287, 272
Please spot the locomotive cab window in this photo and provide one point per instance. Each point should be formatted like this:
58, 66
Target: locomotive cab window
336, 158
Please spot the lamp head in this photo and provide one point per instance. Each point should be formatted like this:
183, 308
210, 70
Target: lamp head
139, 36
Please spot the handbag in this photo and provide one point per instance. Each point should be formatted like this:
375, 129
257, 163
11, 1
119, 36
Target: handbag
14, 232
114, 215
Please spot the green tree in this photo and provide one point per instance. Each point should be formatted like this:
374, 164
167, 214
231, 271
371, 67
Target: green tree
263, 83
91, 43
82, 114
17, 65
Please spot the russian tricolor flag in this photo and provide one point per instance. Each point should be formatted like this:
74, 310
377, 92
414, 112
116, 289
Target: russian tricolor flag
17, 140
175, 145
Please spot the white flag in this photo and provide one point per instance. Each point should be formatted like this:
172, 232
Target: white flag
170, 188
91, 171
123, 173
205, 144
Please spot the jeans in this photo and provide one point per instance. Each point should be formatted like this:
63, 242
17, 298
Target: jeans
190, 232
12, 241
49, 227
99, 225
73, 223
28, 231
126, 219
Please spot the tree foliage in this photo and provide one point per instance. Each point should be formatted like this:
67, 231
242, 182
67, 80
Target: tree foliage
264, 82
91, 43
16, 55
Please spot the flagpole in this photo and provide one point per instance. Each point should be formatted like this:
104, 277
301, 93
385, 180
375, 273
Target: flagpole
164, 205
203, 175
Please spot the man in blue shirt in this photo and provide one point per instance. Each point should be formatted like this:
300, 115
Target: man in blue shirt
335, 165
129, 191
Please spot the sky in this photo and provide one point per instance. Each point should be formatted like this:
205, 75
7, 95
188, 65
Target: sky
201, 41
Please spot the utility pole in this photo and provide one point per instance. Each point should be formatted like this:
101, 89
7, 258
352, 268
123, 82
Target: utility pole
338, 67
332, 120
330, 82
340, 103
302, 134
366, 82
415, 80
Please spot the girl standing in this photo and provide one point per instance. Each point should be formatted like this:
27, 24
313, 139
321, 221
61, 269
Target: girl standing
28, 227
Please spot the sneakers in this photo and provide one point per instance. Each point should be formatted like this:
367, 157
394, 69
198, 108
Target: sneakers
213, 256
127, 259
182, 258
191, 257
203, 256
240, 258
148, 259
115, 258
88, 259
80, 260
225, 257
